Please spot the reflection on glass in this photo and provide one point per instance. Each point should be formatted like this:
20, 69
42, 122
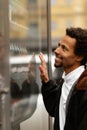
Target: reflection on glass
3, 55
24, 90
24, 40
25, 86
28, 36
15, 89
29, 85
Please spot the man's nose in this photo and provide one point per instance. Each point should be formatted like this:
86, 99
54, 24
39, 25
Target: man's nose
57, 50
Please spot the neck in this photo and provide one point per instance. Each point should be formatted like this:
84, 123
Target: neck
68, 70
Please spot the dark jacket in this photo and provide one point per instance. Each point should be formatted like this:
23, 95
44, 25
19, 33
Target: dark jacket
76, 112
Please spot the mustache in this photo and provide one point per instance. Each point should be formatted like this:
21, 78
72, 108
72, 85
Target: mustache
58, 56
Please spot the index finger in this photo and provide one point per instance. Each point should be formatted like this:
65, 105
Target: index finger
43, 62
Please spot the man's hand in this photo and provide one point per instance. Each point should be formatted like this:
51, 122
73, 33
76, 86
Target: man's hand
43, 69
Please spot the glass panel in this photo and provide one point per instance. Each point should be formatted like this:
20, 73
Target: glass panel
28, 36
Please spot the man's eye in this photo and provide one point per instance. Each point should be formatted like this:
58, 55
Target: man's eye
64, 48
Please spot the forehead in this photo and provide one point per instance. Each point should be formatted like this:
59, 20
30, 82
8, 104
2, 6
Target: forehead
68, 41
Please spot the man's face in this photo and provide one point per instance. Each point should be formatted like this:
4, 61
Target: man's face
64, 54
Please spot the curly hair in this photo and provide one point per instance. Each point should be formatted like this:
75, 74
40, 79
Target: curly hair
81, 42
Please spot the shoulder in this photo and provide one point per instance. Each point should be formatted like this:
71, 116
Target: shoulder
82, 81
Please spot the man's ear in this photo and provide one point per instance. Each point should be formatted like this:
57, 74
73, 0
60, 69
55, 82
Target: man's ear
80, 58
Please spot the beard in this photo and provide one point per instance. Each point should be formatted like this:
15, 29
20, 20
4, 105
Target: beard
58, 61
57, 65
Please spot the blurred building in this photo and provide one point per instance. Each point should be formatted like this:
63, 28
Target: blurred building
28, 27
66, 13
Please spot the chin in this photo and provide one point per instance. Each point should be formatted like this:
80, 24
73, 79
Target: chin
57, 65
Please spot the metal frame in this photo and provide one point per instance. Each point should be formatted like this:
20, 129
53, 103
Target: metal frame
5, 123
49, 50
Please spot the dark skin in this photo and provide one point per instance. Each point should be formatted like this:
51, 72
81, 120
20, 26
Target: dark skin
64, 57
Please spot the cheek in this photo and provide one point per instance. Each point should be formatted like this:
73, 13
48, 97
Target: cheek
69, 59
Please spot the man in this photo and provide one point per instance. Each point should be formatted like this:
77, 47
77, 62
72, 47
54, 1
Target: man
67, 102
29, 85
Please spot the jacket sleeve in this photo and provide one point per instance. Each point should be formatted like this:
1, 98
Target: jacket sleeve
82, 87
83, 113
83, 124
51, 95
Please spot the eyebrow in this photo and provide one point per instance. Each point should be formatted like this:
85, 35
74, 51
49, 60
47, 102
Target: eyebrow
63, 45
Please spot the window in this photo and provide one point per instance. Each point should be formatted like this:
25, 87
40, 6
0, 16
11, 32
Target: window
53, 25
32, 1
69, 23
33, 29
53, 2
68, 2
